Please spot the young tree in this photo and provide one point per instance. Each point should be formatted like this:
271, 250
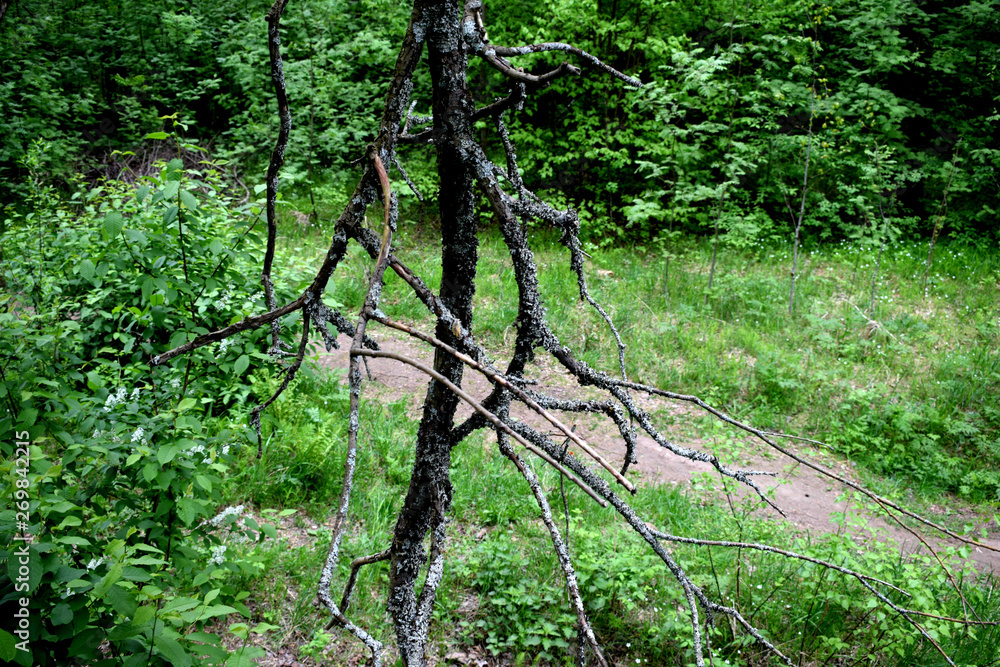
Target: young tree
452, 34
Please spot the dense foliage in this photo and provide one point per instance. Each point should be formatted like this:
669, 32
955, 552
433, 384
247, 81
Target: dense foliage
894, 104
133, 554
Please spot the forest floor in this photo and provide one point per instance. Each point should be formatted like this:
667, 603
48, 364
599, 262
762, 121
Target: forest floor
811, 501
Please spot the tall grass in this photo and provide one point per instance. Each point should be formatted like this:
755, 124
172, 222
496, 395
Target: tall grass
905, 385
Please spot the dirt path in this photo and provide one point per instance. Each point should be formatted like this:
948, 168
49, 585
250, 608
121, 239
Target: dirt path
808, 498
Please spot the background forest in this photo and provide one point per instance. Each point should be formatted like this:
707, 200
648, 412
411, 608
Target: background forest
896, 103
134, 138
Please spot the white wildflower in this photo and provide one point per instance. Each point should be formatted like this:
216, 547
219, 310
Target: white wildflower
135, 394
218, 555
221, 517
222, 302
115, 399
137, 434
175, 383
223, 346
94, 563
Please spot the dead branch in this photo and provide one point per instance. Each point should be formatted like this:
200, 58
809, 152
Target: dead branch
277, 159
557, 542
489, 416
356, 566
495, 377
450, 37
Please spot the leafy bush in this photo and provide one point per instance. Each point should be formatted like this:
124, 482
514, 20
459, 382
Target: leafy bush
131, 559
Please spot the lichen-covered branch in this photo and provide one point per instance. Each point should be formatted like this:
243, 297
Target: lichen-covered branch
451, 34
277, 160
562, 553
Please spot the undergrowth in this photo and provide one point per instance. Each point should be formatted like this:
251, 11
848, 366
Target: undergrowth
504, 593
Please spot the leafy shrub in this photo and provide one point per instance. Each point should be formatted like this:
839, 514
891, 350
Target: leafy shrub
131, 560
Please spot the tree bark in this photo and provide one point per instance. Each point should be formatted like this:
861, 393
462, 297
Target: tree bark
430, 493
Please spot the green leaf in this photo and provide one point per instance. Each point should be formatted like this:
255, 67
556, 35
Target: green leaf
114, 223
188, 510
173, 651
122, 601
170, 190
148, 560
147, 287
218, 610
135, 236
27, 416
261, 628
188, 199
156, 135
33, 562
166, 454
141, 192
186, 404
109, 580
61, 614
86, 269
245, 658
241, 364
143, 615
8, 646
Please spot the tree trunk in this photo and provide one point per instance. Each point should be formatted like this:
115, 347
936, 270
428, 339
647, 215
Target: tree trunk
429, 496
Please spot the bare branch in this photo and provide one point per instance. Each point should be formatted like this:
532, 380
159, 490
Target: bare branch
763, 435
254, 418
277, 159
475, 35
350, 463
356, 566
492, 418
402, 172
499, 379
252, 322
691, 590
562, 553
775, 550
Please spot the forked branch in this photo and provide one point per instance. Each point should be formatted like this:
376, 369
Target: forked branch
451, 37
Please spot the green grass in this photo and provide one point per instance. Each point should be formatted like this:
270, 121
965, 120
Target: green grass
901, 396
501, 560
905, 385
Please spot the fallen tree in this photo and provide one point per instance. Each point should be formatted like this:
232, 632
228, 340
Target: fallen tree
451, 35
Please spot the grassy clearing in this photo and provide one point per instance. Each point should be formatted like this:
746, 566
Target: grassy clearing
887, 387
904, 385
